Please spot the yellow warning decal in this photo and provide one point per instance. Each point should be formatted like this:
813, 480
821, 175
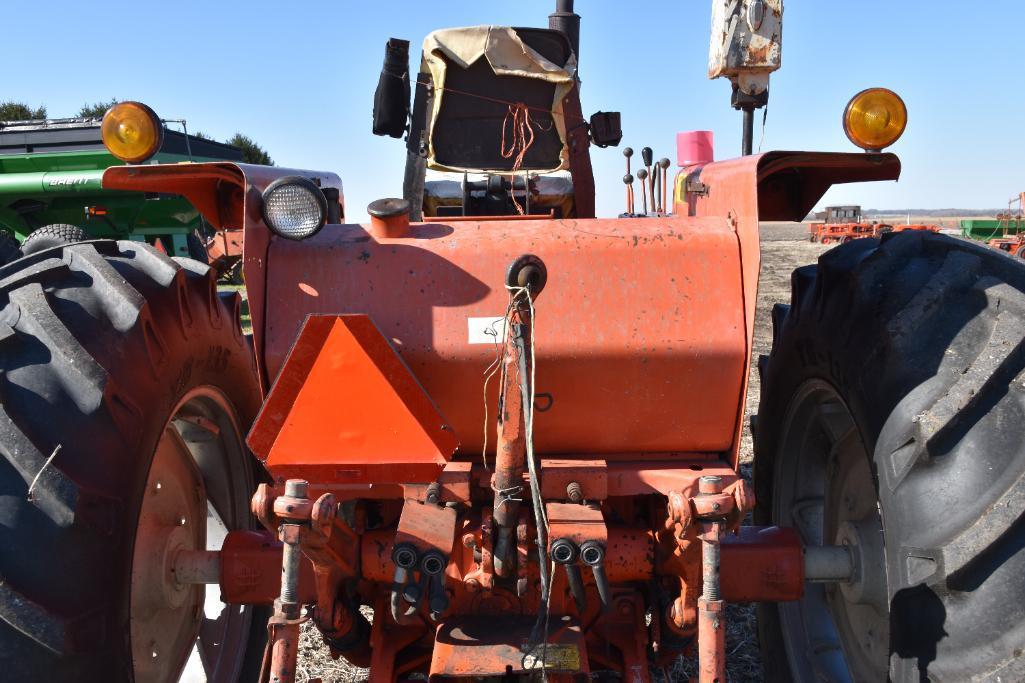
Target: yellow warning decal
555, 656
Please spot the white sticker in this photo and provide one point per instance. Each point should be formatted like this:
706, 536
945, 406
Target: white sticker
486, 330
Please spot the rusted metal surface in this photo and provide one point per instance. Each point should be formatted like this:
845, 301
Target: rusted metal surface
432, 325
642, 342
511, 449
283, 630
579, 142
435, 291
761, 564
224, 249
389, 217
711, 607
746, 42
500, 645
427, 527
782, 186
250, 566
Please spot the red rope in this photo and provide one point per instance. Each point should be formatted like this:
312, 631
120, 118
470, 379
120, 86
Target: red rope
522, 129
522, 134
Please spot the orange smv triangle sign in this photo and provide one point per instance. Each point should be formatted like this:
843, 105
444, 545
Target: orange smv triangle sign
346, 409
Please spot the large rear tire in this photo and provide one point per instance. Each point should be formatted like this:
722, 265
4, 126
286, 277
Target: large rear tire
892, 420
10, 249
125, 392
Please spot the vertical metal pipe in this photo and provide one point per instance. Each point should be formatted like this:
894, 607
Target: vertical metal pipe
565, 20
290, 573
749, 130
284, 624
711, 612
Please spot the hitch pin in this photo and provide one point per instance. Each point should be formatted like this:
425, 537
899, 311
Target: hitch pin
283, 643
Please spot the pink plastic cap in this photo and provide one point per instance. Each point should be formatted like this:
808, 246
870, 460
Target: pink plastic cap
694, 147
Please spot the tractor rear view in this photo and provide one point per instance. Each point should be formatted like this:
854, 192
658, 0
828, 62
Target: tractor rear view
507, 427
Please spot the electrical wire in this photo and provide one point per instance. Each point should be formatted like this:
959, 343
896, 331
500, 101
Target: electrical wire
539, 634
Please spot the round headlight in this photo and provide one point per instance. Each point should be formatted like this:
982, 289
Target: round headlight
132, 132
875, 118
294, 207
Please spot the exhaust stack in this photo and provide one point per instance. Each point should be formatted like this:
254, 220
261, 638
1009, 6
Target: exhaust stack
566, 20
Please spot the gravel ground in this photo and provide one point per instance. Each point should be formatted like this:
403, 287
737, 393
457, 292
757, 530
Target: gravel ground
784, 247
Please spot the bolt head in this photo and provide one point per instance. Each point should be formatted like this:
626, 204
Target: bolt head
297, 488
710, 483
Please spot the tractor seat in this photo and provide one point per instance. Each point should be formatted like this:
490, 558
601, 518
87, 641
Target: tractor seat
466, 132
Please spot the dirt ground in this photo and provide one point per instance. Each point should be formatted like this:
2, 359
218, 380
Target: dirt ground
784, 247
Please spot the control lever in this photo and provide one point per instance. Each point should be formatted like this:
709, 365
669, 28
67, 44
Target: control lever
656, 197
647, 156
628, 180
664, 164
642, 175
628, 152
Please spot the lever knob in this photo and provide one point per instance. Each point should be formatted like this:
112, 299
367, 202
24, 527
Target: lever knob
647, 155
628, 179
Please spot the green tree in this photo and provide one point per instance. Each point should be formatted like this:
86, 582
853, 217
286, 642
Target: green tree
19, 111
252, 153
201, 135
96, 110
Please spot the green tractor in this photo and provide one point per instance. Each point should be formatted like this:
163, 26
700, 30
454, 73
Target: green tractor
51, 192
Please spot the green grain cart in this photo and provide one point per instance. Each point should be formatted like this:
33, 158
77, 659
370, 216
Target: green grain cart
50, 182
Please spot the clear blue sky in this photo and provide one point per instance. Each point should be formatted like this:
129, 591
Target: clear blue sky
299, 78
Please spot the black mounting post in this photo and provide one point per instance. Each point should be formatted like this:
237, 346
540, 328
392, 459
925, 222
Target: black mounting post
747, 141
747, 104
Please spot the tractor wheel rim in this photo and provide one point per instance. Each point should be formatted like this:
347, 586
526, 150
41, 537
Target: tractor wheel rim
825, 491
197, 490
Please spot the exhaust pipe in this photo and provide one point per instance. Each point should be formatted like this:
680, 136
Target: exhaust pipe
566, 20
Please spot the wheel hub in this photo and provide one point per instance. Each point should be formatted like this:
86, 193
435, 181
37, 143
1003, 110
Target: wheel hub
197, 488
165, 614
864, 541
825, 490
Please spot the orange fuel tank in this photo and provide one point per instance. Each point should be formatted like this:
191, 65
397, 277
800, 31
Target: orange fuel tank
640, 330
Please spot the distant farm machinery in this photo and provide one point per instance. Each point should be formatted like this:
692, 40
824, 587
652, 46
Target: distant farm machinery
1006, 232
844, 223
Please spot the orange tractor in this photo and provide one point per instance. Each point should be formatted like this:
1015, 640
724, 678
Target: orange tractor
842, 224
493, 442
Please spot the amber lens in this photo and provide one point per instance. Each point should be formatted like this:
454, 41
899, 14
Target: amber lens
132, 131
875, 118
